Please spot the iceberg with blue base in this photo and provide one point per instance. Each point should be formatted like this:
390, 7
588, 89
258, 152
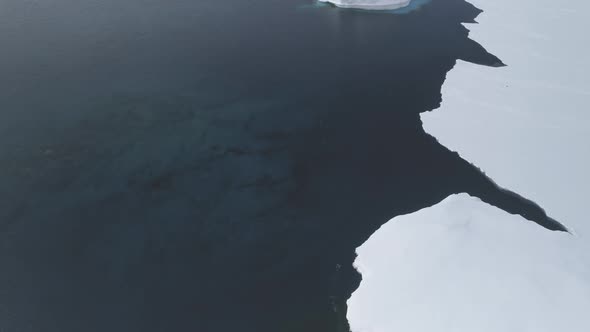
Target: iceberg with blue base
370, 4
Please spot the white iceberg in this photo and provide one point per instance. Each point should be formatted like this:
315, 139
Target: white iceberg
370, 4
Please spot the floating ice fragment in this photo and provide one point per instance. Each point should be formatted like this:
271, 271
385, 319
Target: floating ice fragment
370, 4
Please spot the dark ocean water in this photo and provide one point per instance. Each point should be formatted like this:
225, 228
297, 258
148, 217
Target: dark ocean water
207, 165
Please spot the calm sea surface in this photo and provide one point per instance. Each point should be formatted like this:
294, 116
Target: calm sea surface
208, 165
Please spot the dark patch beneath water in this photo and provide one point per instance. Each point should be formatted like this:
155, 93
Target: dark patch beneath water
212, 165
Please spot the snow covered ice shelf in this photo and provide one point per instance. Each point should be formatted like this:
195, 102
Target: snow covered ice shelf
526, 125
463, 265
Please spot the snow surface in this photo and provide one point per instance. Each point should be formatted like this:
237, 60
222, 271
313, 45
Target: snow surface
463, 265
370, 4
526, 125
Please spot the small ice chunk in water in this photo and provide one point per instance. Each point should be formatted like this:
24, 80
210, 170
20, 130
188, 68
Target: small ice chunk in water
370, 4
